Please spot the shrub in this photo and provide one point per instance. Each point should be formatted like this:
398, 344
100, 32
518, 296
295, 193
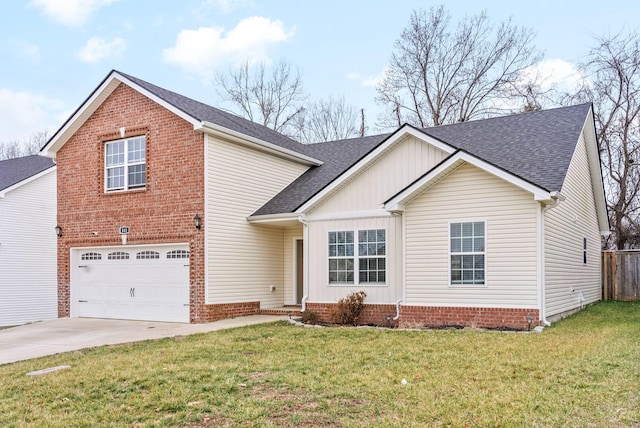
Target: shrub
349, 308
310, 317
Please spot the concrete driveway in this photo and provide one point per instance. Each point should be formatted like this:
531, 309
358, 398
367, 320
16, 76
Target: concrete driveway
71, 334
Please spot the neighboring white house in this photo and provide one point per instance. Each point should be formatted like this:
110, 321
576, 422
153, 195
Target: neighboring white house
28, 284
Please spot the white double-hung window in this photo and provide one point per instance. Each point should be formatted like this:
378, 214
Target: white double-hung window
358, 257
125, 164
467, 245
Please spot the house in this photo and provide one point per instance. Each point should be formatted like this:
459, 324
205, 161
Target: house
28, 285
173, 210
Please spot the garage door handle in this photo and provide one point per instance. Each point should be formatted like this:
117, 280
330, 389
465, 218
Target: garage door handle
82, 301
83, 266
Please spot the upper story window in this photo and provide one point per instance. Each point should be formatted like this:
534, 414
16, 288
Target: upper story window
125, 164
467, 253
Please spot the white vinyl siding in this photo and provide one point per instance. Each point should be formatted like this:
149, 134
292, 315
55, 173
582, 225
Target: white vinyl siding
244, 260
567, 226
511, 217
396, 168
28, 260
320, 288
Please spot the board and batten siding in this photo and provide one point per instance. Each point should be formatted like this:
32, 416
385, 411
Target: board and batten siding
28, 262
243, 260
566, 226
512, 222
396, 168
320, 291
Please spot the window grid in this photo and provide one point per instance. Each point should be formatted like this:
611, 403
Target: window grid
368, 266
91, 256
372, 243
341, 257
178, 254
118, 255
125, 164
147, 255
467, 253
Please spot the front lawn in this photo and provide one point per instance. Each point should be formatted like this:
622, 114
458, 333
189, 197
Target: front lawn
584, 371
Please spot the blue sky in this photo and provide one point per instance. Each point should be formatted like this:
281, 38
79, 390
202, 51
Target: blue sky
55, 52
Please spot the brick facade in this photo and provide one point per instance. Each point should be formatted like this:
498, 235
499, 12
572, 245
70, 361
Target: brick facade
161, 213
436, 317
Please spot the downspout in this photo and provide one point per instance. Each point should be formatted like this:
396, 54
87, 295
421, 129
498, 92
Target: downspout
305, 273
397, 310
557, 198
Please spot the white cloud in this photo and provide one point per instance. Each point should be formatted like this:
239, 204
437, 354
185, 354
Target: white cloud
554, 74
202, 51
70, 12
29, 51
23, 114
97, 48
368, 80
226, 6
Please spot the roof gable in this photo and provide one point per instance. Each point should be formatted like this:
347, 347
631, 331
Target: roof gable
18, 171
532, 149
536, 146
202, 116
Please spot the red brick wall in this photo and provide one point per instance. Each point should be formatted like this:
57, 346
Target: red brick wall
161, 213
434, 316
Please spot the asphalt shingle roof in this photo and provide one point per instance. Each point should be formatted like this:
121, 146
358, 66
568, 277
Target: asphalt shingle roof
13, 171
535, 146
204, 112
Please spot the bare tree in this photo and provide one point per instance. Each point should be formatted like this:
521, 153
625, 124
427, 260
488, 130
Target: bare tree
613, 72
328, 120
30, 146
271, 96
442, 73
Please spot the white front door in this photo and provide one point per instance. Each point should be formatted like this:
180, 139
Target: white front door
131, 282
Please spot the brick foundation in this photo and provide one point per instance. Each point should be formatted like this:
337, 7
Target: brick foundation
436, 316
215, 312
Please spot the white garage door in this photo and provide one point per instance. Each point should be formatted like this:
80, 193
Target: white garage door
131, 282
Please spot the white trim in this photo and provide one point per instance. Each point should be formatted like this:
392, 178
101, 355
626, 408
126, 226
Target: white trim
272, 218
27, 180
356, 259
348, 215
241, 138
484, 253
204, 220
126, 165
397, 136
397, 203
156, 99
595, 171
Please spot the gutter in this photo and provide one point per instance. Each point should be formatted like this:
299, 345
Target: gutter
556, 197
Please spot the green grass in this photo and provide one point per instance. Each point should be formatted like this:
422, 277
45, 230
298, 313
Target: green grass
584, 371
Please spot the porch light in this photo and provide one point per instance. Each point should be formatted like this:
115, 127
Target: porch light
58, 230
197, 221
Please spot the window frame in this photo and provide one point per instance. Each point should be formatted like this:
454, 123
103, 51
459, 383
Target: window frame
126, 165
462, 284
357, 258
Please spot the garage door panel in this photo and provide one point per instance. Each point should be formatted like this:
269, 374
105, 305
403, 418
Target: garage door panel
138, 283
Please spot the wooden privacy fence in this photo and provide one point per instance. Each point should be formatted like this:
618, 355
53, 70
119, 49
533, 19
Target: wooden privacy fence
621, 275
